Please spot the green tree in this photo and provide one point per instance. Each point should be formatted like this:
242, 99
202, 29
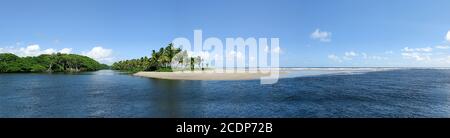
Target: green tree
48, 63
8, 57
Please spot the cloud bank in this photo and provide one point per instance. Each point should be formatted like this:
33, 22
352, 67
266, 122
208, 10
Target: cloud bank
98, 53
33, 50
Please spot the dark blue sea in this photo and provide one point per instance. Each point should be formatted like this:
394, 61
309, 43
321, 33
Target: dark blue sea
391, 93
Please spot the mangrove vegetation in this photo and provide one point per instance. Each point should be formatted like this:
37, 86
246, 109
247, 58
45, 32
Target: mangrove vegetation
10, 63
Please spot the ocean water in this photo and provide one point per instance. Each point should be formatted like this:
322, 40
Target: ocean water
304, 93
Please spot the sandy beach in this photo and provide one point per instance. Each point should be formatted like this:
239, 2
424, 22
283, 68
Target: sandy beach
241, 74
206, 75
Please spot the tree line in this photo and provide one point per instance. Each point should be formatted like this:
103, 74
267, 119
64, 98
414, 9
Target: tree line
167, 59
48, 63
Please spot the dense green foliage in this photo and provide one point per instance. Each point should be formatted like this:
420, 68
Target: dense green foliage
48, 63
133, 65
165, 60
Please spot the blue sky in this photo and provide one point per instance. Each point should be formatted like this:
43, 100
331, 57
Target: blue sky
312, 33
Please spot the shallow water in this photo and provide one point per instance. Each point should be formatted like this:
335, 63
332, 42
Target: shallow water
389, 93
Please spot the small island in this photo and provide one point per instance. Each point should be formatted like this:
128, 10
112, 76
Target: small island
10, 63
176, 64
167, 59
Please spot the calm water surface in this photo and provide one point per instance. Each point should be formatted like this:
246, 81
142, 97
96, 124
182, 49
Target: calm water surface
395, 93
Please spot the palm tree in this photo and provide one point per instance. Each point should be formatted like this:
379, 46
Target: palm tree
159, 59
199, 61
192, 63
153, 61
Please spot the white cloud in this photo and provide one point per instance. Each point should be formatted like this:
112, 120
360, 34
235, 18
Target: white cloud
65, 50
417, 56
428, 55
425, 49
442, 47
350, 55
49, 51
322, 36
334, 58
100, 54
32, 50
9, 49
448, 36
